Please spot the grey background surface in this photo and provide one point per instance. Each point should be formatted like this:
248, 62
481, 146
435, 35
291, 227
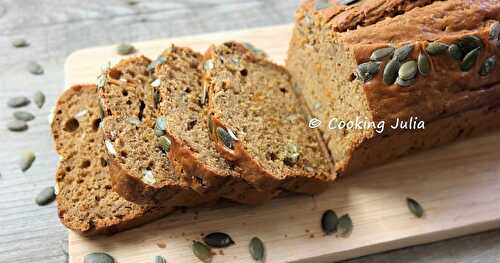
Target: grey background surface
55, 28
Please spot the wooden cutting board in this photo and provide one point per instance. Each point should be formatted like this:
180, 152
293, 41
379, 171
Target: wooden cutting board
458, 185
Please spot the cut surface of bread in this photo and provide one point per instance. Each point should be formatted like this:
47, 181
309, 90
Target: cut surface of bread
85, 201
256, 121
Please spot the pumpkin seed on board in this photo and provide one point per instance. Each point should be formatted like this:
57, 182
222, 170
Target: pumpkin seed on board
26, 160
408, 70
46, 196
35, 68
391, 71
23, 116
201, 251
17, 126
424, 64
159, 259
436, 48
218, 240
165, 143
329, 222
39, 99
257, 249
344, 226
125, 49
98, 257
415, 208
17, 102
321, 4
455, 52
382, 53
405, 83
20, 42
367, 71
403, 52
488, 65
470, 59
225, 137
494, 34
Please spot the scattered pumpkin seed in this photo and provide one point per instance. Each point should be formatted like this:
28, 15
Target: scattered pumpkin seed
233, 136
292, 154
27, 159
469, 43
98, 257
403, 52
125, 49
17, 102
436, 48
23, 116
344, 226
329, 222
470, 59
159, 259
218, 240
201, 251
225, 137
347, 2
256, 248
405, 83
415, 208
382, 53
160, 126
391, 71
424, 64
321, 4
494, 34
408, 70
367, 71
208, 65
455, 52
46, 196
165, 143
20, 42
39, 99
17, 126
488, 65
35, 68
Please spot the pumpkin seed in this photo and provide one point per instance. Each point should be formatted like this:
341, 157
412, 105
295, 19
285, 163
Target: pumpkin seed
488, 66
165, 144
347, 2
98, 257
455, 52
415, 208
329, 222
158, 61
225, 137
23, 116
35, 68
17, 126
469, 43
367, 71
27, 159
321, 4
20, 42
39, 99
291, 154
159, 259
148, 177
436, 48
218, 240
125, 49
494, 34
382, 53
202, 252
470, 59
408, 70
18, 102
405, 83
208, 65
424, 64
344, 226
160, 126
46, 196
134, 121
231, 133
403, 52
391, 71
257, 249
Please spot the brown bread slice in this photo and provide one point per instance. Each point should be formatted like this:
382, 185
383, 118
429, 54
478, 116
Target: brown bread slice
85, 201
257, 122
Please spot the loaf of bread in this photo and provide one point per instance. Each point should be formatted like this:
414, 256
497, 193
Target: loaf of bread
406, 64
256, 122
85, 201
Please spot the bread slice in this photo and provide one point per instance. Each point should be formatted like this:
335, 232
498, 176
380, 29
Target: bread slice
257, 123
139, 167
86, 204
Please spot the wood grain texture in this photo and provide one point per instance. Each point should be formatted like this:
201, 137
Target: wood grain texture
55, 28
445, 181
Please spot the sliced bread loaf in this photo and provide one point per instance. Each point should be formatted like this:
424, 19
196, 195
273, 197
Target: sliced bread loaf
256, 122
85, 201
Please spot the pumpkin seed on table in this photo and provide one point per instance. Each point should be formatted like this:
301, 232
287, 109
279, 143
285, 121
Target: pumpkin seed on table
415, 208
225, 137
23, 116
436, 48
367, 71
98, 257
159, 259
344, 226
35, 68
17, 102
391, 71
46, 196
488, 65
257, 249
494, 34
403, 52
17, 126
125, 49
202, 252
408, 70
39, 99
424, 64
218, 240
329, 222
470, 59
20, 42
382, 53
165, 143
26, 160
